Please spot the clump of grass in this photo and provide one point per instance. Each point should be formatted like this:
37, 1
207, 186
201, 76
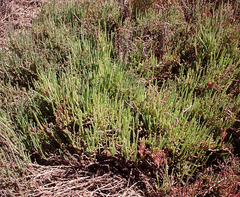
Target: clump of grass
153, 85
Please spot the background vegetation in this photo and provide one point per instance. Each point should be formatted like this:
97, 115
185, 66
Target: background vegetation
148, 81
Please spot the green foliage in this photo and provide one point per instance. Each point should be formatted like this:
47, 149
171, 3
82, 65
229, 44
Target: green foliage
150, 86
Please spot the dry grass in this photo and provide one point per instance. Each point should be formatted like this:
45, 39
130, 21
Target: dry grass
68, 181
80, 177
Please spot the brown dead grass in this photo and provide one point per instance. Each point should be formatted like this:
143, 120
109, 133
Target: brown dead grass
63, 180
